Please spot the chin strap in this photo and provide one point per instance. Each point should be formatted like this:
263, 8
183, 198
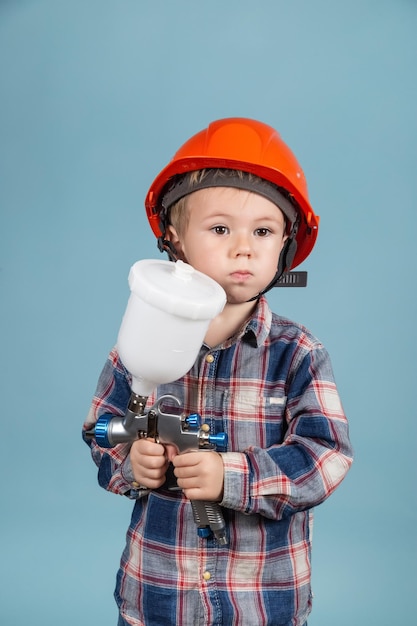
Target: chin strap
287, 279
166, 246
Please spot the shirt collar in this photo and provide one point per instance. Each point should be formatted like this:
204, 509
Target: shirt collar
257, 329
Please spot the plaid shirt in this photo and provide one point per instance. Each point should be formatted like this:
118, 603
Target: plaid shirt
271, 389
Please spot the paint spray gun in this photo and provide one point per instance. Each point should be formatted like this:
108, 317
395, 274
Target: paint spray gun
166, 318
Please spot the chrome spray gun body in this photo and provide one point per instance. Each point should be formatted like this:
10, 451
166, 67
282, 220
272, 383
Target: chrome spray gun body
185, 432
169, 310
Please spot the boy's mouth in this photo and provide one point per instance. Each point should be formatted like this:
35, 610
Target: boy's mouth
241, 275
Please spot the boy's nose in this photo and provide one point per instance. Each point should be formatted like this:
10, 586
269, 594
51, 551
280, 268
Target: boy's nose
242, 245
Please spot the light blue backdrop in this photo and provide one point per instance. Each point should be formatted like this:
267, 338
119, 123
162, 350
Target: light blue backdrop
96, 95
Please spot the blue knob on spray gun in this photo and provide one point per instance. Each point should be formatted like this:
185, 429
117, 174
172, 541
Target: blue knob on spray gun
101, 430
219, 441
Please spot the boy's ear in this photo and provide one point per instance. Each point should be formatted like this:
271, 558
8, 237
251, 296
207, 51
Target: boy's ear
172, 236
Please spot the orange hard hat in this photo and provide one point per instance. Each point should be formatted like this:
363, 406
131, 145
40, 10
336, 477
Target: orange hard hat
241, 144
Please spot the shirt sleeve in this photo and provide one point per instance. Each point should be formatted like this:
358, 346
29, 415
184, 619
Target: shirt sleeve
312, 460
112, 396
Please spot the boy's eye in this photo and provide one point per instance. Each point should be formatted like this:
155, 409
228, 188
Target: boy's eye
220, 230
262, 232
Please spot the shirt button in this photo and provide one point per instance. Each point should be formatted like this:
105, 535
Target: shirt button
206, 575
209, 358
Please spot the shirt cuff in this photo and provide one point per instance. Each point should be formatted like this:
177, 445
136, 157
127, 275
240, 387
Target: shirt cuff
236, 481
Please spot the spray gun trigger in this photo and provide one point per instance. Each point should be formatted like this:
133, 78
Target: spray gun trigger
153, 425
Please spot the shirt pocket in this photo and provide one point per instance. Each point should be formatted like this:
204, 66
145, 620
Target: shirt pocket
253, 418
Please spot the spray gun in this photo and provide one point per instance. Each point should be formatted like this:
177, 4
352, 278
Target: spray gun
163, 328
185, 432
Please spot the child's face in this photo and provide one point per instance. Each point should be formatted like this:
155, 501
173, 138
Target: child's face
233, 236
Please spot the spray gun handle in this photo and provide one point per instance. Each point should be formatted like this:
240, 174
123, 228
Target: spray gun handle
208, 516
209, 519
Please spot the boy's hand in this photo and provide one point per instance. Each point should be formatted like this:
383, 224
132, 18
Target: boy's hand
149, 463
200, 475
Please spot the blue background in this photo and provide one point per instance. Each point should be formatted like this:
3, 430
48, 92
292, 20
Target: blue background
96, 95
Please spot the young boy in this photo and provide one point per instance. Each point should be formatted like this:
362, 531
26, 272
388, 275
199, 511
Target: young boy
233, 203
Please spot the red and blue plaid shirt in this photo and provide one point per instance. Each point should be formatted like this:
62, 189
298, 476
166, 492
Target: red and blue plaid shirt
272, 390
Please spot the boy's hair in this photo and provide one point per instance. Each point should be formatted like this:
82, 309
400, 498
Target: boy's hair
178, 213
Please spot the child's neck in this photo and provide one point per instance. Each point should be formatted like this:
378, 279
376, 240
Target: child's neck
228, 322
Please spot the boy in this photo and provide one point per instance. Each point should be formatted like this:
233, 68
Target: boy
233, 203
